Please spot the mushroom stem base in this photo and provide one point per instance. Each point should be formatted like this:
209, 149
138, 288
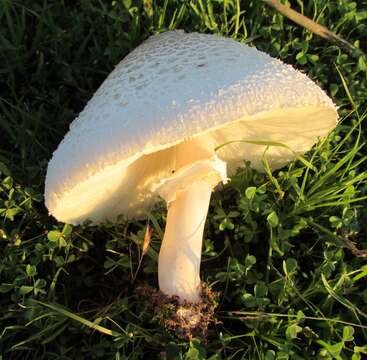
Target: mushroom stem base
180, 253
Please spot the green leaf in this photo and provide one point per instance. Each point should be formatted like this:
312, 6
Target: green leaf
300, 315
260, 289
361, 15
292, 331
361, 349
290, 266
31, 270
348, 332
67, 230
314, 58
250, 260
272, 219
277, 286
196, 351
250, 192
362, 64
362, 273
249, 300
281, 355
270, 355
40, 283
333, 88
301, 58
81, 320
332, 349
62, 242
25, 289
10, 213
54, 235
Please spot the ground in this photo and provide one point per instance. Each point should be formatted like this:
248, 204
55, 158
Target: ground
284, 251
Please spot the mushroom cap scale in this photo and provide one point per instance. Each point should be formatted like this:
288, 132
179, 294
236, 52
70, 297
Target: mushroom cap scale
178, 86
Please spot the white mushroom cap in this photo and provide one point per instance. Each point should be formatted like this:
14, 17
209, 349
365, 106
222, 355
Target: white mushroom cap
178, 86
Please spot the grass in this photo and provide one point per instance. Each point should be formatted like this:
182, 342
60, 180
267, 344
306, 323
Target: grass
284, 249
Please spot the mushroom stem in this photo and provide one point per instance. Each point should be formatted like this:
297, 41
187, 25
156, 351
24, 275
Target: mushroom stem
180, 253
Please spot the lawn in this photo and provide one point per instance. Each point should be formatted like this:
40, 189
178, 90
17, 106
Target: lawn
285, 251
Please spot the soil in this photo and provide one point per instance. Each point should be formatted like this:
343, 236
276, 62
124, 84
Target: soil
181, 318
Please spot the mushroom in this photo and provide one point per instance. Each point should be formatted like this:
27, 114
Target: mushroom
151, 131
